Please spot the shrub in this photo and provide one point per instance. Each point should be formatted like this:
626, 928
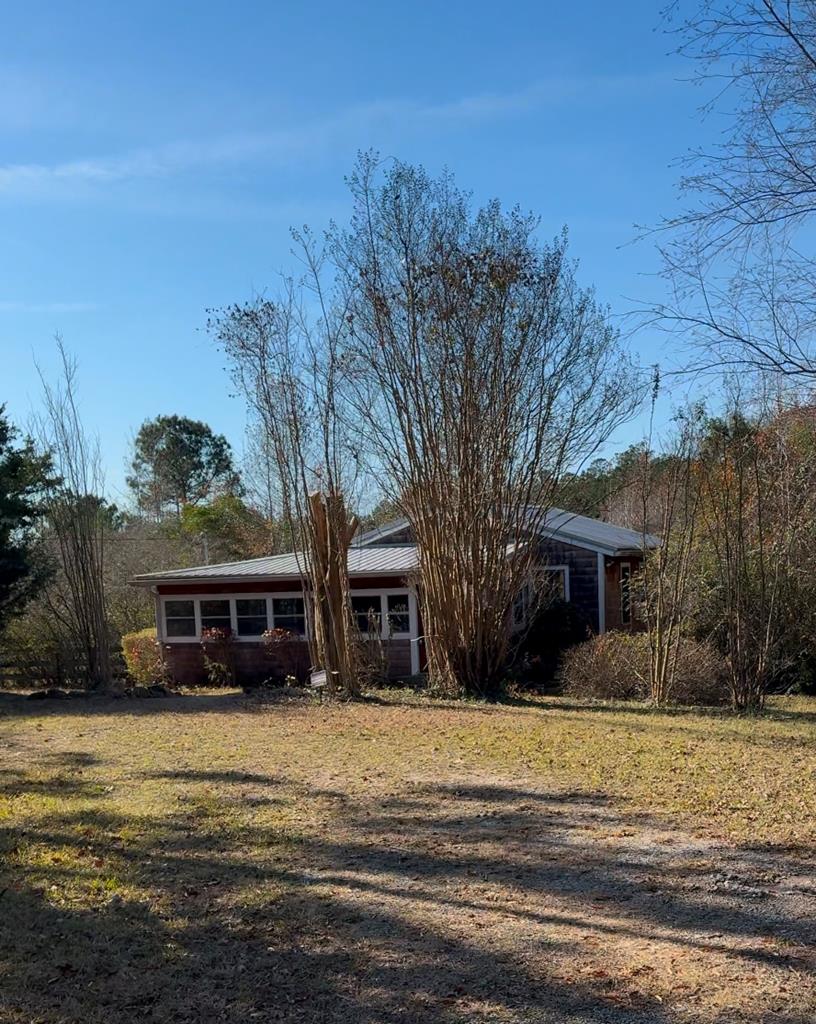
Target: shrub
142, 655
702, 674
557, 627
219, 662
37, 650
615, 666
288, 655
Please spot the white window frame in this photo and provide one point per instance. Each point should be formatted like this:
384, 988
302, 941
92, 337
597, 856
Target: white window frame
270, 616
539, 570
269, 596
383, 595
232, 598
162, 626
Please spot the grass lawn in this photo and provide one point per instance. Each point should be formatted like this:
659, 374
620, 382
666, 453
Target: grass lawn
218, 858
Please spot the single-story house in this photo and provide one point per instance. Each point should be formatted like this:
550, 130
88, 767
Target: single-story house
591, 563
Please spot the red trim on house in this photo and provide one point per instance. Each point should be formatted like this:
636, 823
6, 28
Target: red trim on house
273, 586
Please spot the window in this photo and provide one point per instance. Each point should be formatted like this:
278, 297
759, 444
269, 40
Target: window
250, 614
367, 612
179, 618
626, 593
555, 584
289, 613
521, 605
215, 615
551, 584
399, 616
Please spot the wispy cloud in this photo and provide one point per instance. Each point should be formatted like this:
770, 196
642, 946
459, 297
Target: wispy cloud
47, 307
307, 139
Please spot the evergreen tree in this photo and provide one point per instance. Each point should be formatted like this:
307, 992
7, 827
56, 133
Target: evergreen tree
24, 474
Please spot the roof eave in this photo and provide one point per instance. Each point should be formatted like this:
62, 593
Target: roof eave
602, 549
152, 581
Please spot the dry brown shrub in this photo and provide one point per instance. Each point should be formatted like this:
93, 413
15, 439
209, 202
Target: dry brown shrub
615, 666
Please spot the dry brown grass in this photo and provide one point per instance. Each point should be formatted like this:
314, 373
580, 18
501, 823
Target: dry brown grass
217, 859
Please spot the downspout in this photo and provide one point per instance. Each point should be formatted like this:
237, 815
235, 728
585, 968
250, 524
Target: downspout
159, 623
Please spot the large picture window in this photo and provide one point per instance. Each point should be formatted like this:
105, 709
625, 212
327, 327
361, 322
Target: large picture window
399, 614
367, 612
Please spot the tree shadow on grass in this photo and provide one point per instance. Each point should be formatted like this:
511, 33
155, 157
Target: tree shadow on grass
458, 902
230, 941
14, 705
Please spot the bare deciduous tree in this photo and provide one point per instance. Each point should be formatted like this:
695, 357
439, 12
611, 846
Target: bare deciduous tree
481, 371
670, 494
76, 520
739, 260
756, 509
288, 365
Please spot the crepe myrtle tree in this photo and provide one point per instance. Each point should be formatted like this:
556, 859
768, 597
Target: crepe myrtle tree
285, 359
479, 372
670, 495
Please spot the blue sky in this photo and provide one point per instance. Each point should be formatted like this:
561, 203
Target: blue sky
153, 157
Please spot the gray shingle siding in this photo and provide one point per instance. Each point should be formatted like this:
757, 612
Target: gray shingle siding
583, 575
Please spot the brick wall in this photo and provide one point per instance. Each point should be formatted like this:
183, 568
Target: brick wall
253, 663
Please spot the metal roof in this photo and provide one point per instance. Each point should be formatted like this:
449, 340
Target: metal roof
362, 562
568, 527
594, 533
379, 533
368, 558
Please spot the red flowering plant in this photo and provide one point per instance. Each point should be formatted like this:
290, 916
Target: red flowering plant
219, 660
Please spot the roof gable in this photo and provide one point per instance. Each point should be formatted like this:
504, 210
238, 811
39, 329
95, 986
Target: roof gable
595, 534
389, 533
580, 531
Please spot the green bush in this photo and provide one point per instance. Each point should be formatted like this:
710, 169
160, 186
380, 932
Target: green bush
143, 656
615, 666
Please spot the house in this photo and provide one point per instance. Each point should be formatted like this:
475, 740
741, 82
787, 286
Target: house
591, 563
